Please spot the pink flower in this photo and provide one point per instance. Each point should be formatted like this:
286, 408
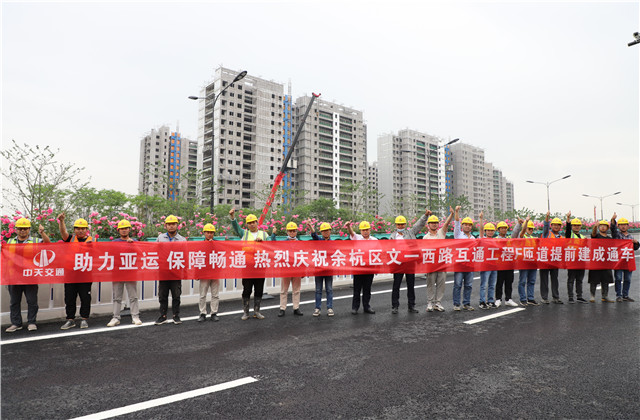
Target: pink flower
111, 238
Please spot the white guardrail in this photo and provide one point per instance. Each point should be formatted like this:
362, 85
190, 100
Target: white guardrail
51, 296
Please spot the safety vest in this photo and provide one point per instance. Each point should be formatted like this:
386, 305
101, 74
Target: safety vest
248, 236
553, 235
30, 240
526, 235
75, 239
576, 236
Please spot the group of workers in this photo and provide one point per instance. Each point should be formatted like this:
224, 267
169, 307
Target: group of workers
492, 283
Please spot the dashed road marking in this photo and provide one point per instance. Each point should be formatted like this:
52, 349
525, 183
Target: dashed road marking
496, 315
127, 409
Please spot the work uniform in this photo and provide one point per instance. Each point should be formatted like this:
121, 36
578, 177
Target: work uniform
74, 290
411, 277
362, 282
574, 276
30, 293
248, 285
173, 286
622, 277
205, 286
327, 280
545, 273
118, 291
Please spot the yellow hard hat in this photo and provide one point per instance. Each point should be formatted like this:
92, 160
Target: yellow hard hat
171, 219
556, 221
251, 218
209, 228
25, 223
433, 219
502, 225
80, 223
401, 220
292, 226
489, 226
576, 222
124, 224
621, 221
530, 225
603, 222
467, 220
364, 225
325, 226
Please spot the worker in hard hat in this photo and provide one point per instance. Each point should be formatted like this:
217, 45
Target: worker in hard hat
402, 233
462, 230
487, 278
295, 282
527, 278
504, 279
601, 278
117, 287
325, 232
74, 290
550, 230
252, 233
171, 225
572, 230
209, 231
620, 230
436, 279
30, 291
361, 282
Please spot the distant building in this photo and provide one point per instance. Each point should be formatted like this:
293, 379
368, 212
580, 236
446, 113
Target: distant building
411, 171
240, 142
167, 165
331, 154
373, 200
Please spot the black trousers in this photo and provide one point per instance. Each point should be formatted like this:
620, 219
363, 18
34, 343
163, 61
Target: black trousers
505, 278
577, 276
362, 283
544, 283
411, 293
31, 294
71, 292
164, 286
252, 284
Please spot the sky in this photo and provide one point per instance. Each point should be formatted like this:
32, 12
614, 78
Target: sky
548, 89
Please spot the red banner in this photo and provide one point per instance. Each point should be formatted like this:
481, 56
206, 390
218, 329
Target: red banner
139, 261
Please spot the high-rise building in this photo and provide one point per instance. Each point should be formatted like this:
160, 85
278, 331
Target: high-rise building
240, 142
167, 165
331, 154
479, 181
411, 171
373, 199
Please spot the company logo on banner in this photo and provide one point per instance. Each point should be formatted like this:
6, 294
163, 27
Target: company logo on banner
142, 261
44, 258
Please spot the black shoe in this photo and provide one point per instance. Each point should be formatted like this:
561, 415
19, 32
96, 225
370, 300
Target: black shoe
532, 302
581, 300
214, 317
369, 311
354, 312
202, 317
492, 305
297, 312
393, 310
627, 299
176, 319
413, 310
161, 320
558, 301
281, 313
483, 305
571, 300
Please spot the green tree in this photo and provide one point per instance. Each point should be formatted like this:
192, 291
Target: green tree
37, 179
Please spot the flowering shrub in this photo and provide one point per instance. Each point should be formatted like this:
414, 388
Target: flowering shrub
104, 227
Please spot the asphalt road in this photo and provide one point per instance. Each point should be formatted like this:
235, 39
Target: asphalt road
551, 361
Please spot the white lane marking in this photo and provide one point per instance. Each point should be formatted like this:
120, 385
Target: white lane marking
496, 315
600, 287
167, 400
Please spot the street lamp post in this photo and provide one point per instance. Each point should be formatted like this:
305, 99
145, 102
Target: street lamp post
601, 198
633, 210
547, 185
239, 77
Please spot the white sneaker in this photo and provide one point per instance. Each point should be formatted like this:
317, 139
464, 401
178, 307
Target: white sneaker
113, 322
510, 302
429, 307
316, 312
84, 324
136, 320
498, 303
330, 312
439, 307
456, 307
